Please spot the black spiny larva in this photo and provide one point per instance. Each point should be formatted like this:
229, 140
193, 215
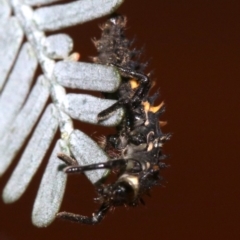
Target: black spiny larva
138, 139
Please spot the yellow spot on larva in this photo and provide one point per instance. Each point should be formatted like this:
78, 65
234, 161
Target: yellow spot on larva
134, 83
156, 108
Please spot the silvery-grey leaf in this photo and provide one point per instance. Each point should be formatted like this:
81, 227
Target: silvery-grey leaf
11, 142
87, 76
35, 37
58, 46
5, 10
11, 37
82, 148
56, 17
50, 193
32, 156
18, 86
85, 108
39, 2
23, 116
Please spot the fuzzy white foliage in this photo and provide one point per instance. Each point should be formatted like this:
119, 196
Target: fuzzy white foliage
56, 17
22, 106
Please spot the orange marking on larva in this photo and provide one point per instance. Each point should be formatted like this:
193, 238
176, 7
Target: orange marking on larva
153, 83
162, 123
74, 57
156, 168
146, 106
134, 83
156, 108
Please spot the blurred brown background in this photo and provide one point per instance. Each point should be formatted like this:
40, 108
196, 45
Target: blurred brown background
194, 52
